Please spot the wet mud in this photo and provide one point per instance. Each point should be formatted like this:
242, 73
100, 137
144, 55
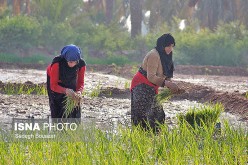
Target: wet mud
111, 103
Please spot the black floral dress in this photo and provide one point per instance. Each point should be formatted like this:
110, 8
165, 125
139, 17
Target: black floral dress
145, 110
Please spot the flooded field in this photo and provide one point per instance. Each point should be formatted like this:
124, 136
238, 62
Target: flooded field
112, 103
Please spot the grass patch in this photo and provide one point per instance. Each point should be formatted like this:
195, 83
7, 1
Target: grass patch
35, 58
132, 146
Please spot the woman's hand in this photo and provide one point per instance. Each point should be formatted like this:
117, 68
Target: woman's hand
78, 95
70, 92
172, 86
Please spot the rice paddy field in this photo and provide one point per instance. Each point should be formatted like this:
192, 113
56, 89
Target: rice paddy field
105, 135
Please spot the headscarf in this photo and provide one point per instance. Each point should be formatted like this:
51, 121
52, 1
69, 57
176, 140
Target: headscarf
71, 53
166, 59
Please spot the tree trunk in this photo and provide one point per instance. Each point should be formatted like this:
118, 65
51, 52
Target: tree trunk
16, 7
136, 17
192, 3
109, 10
213, 14
154, 15
27, 8
3, 6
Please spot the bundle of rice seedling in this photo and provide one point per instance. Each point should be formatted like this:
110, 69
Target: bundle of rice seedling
163, 96
203, 116
69, 104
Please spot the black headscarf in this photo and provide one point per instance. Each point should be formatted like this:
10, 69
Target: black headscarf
166, 59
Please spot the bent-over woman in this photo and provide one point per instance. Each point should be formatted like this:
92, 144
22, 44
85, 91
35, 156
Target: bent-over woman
65, 76
155, 71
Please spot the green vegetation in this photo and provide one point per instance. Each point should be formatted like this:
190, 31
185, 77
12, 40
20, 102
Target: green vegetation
40, 89
95, 91
13, 88
19, 34
213, 48
33, 59
132, 146
127, 84
33, 40
41, 28
163, 96
69, 105
203, 116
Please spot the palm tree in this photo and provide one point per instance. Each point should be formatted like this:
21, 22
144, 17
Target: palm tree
3, 6
16, 7
244, 12
163, 11
109, 10
210, 12
136, 17
27, 7
154, 19
55, 10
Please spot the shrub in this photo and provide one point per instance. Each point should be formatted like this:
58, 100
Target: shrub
210, 48
18, 33
55, 36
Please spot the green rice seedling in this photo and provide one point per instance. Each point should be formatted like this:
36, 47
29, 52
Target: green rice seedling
163, 96
30, 90
95, 92
127, 85
9, 89
40, 90
21, 89
110, 93
206, 115
85, 93
90, 145
246, 95
69, 104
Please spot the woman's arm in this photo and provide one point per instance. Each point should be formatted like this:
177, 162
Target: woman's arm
80, 79
54, 79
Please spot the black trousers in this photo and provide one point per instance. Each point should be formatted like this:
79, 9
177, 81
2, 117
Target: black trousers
56, 103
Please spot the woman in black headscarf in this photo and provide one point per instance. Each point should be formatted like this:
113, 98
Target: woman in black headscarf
156, 71
65, 76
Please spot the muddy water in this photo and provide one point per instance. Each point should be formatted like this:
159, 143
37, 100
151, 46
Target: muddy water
101, 110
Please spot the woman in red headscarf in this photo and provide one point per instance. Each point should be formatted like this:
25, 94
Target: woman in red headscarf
156, 71
65, 76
